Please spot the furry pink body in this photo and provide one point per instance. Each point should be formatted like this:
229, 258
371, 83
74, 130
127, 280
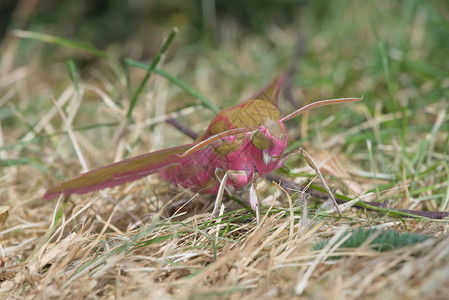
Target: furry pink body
199, 171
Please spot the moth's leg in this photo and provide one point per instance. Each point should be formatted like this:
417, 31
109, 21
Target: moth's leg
235, 175
253, 198
314, 166
220, 191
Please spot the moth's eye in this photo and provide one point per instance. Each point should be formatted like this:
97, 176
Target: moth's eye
260, 140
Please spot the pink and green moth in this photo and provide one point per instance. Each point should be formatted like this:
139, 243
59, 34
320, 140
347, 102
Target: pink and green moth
241, 144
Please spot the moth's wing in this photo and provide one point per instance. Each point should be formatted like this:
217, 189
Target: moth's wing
118, 173
270, 92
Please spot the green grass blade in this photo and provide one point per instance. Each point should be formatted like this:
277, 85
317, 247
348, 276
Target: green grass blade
153, 65
115, 65
373, 166
181, 84
385, 240
73, 73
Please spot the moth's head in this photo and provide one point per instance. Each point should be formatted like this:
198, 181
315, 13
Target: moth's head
271, 139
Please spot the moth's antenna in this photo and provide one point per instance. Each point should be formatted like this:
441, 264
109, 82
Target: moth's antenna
317, 104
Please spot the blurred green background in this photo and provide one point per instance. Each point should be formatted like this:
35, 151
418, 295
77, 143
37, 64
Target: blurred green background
338, 41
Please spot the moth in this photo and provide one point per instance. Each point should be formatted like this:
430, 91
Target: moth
241, 144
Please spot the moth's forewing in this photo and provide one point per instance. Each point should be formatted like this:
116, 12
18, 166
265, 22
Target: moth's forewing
118, 173
249, 114
254, 111
270, 92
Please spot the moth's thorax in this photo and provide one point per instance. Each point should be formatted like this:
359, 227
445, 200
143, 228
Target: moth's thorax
252, 113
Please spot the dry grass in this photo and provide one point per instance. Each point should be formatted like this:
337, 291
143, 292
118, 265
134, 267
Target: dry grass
150, 240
